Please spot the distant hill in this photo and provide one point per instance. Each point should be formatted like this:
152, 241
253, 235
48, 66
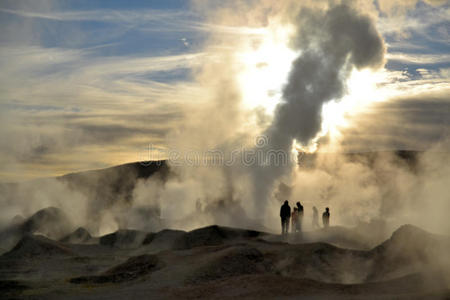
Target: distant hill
407, 158
139, 169
103, 187
117, 182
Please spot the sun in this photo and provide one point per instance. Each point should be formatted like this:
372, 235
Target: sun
364, 88
264, 66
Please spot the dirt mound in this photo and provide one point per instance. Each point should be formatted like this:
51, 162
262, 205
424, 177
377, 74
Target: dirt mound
37, 246
207, 236
410, 249
412, 237
240, 233
51, 222
212, 236
17, 220
79, 236
225, 262
270, 286
163, 240
339, 236
133, 268
9, 237
320, 261
233, 261
124, 238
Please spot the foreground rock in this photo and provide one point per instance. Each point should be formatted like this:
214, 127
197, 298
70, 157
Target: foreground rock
51, 222
79, 236
132, 269
35, 246
212, 236
124, 239
222, 262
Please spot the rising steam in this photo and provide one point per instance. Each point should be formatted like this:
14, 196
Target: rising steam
331, 44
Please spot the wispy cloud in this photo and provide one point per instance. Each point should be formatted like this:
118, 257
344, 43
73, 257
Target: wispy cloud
90, 88
419, 58
408, 122
60, 102
164, 20
106, 15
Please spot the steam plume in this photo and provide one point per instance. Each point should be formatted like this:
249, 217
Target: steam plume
331, 43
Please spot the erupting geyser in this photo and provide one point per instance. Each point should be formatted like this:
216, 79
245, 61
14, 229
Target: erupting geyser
331, 43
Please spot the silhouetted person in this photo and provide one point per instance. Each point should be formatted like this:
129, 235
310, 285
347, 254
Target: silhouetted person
285, 214
315, 220
326, 217
294, 220
300, 216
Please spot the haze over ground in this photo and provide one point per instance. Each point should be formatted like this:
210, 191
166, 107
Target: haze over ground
197, 120
88, 85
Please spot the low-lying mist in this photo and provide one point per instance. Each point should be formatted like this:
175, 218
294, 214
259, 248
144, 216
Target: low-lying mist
388, 188
366, 188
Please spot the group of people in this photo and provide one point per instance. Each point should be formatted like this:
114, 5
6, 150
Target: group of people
295, 218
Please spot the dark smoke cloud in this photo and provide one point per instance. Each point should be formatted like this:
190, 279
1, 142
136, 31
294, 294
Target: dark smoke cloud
332, 43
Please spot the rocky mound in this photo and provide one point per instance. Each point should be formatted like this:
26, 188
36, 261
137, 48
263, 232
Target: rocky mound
9, 238
79, 236
17, 220
133, 268
51, 222
216, 262
212, 236
163, 240
230, 262
271, 286
339, 236
123, 239
207, 236
37, 246
320, 261
410, 249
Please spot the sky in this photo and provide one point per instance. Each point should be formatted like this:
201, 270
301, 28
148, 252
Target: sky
91, 84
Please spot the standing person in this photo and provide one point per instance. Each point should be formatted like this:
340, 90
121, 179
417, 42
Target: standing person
326, 218
285, 214
300, 216
315, 220
294, 220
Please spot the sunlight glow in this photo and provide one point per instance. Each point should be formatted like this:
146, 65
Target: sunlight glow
265, 65
364, 87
